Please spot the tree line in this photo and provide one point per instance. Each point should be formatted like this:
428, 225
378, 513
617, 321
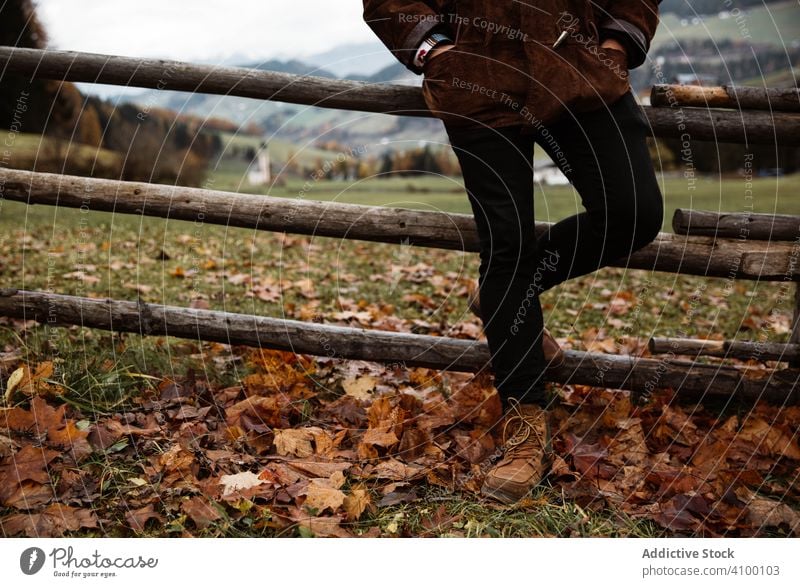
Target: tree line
131, 142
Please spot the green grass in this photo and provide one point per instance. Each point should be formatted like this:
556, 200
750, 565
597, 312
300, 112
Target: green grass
543, 514
440, 513
728, 193
27, 148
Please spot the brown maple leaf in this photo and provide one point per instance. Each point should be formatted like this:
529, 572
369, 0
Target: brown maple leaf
53, 521
25, 478
138, 518
200, 511
295, 442
356, 503
321, 494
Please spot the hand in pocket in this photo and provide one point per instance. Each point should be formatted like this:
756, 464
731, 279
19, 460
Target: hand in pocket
434, 55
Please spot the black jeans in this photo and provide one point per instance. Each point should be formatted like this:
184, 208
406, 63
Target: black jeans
605, 156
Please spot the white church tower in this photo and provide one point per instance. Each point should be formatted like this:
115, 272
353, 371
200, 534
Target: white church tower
260, 173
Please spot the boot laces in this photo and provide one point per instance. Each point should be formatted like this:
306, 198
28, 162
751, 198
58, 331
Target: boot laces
524, 427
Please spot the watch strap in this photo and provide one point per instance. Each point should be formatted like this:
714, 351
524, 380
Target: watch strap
427, 46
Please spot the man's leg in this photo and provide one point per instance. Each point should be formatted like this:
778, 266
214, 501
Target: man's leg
604, 154
497, 167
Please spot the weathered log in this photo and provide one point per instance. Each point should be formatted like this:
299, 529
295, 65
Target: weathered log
732, 349
672, 253
705, 124
692, 381
772, 227
164, 74
725, 126
739, 97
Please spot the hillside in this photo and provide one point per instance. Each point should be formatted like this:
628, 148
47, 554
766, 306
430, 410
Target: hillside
776, 24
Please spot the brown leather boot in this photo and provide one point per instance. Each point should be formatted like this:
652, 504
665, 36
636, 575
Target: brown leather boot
553, 353
527, 455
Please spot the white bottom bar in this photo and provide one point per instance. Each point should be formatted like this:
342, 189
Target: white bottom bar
400, 562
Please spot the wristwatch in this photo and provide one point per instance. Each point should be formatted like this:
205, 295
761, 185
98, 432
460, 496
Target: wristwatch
427, 46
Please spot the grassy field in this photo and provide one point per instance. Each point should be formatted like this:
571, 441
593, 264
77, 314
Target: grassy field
728, 193
27, 148
174, 261
777, 23
182, 263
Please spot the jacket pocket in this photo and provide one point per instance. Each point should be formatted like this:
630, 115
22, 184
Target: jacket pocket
603, 73
437, 75
457, 88
576, 75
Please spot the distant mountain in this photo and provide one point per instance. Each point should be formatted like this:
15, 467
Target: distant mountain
354, 60
276, 114
395, 72
292, 66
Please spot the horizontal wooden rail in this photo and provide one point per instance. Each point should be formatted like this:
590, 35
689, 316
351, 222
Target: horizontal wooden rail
739, 97
750, 225
672, 253
696, 123
164, 74
733, 349
693, 381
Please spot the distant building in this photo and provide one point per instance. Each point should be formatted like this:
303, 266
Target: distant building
548, 173
695, 79
260, 172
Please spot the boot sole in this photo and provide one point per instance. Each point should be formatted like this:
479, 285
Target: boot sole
508, 498
501, 496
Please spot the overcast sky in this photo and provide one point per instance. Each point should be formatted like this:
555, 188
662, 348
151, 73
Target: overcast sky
206, 30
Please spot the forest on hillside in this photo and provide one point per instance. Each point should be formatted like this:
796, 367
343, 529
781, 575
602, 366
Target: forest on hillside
129, 142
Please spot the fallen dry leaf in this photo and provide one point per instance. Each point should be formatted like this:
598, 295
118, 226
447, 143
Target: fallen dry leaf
395, 470
763, 512
319, 469
71, 440
13, 382
7, 446
321, 495
356, 503
239, 481
770, 439
294, 442
201, 512
380, 437
360, 387
55, 520
138, 518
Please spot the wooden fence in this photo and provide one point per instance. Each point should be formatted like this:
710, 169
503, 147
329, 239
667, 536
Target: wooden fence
705, 244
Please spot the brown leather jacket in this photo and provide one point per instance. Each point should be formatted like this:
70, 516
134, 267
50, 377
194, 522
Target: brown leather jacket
517, 62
